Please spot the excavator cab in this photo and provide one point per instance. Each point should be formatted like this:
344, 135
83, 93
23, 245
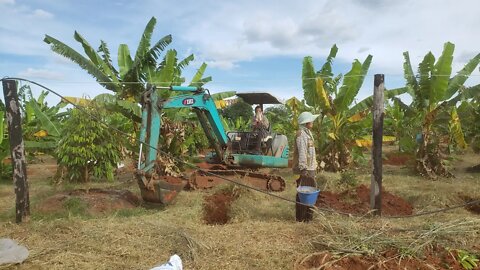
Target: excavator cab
265, 143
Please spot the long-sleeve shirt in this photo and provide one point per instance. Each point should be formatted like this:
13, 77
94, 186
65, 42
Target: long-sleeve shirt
260, 123
305, 150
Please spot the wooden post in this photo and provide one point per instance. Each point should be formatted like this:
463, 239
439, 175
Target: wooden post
14, 121
377, 134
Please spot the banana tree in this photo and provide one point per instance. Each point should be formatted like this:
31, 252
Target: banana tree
128, 81
41, 123
331, 96
432, 91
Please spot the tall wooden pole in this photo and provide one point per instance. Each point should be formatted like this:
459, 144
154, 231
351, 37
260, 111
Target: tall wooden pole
377, 134
14, 121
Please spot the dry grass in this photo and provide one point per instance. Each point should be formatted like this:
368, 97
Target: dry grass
261, 235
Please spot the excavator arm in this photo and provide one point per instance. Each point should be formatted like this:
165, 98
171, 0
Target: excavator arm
195, 98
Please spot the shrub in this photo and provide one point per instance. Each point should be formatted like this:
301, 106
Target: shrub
87, 147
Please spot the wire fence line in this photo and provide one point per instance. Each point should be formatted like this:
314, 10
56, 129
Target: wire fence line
263, 80
191, 165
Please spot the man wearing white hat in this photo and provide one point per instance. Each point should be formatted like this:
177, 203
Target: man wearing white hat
304, 161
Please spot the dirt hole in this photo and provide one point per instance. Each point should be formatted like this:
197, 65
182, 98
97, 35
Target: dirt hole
216, 208
92, 201
357, 201
434, 258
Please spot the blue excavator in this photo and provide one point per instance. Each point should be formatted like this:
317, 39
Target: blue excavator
236, 155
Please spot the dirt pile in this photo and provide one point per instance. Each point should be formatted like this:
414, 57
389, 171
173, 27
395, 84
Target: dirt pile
398, 159
93, 201
216, 208
474, 205
357, 201
433, 258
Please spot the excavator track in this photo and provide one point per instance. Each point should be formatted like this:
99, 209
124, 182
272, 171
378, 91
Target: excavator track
204, 179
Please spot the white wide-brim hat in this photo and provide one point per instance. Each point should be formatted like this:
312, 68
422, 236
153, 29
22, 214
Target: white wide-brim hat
307, 117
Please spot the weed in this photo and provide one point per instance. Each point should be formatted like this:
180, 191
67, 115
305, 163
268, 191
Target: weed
348, 179
75, 206
467, 260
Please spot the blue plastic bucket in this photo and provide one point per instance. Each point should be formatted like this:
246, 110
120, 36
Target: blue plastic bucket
308, 195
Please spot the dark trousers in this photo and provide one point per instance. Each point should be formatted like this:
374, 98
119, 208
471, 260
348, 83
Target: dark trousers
304, 213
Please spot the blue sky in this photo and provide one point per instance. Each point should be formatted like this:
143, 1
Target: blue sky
248, 45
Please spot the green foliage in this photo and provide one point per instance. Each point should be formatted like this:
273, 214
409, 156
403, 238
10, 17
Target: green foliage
436, 114
87, 147
239, 124
335, 131
348, 179
129, 81
41, 123
280, 118
467, 260
239, 109
75, 206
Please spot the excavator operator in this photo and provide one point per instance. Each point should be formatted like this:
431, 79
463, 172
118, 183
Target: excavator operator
260, 125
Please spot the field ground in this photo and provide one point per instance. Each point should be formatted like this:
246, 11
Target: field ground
260, 233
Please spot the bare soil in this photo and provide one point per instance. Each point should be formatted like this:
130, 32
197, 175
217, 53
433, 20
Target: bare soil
217, 208
98, 201
434, 258
398, 159
357, 201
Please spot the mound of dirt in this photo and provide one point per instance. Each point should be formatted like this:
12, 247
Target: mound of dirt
434, 258
474, 207
357, 201
217, 208
96, 201
474, 169
398, 159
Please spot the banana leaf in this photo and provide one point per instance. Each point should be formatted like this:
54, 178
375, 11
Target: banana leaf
367, 103
326, 71
222, 95
196, 80
322, 96
422, 93
124, 59
350, 88
47, 124
309, 82
66, 51
441, 74
459, 79
456, 129
412, 83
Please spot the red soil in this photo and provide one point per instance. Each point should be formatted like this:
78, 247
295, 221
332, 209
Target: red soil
98, 201
357, 201
434, 258
217, 207
398, 159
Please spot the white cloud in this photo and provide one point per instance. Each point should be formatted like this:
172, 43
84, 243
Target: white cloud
42, 14
41, 74
8, 2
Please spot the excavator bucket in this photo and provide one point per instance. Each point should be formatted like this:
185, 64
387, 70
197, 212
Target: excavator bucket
159, 190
